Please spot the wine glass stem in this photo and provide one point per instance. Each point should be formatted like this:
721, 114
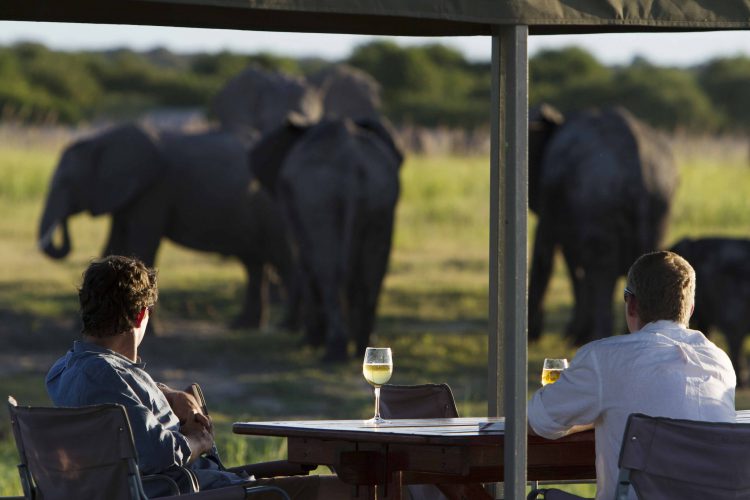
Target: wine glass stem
377, 403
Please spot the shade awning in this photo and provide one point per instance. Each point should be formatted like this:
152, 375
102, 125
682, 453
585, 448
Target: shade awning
396, 17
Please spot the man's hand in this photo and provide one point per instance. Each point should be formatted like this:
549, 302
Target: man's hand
198, 431
196, 422
183, 404
197, 427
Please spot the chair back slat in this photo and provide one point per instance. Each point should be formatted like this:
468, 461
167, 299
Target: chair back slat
85, 452
684, 459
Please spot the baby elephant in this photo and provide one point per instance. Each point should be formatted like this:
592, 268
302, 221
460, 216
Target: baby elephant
722, 295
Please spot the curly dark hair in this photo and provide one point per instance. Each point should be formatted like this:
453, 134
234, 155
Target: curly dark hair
113, 291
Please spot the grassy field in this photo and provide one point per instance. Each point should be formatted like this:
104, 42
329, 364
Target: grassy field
432, 312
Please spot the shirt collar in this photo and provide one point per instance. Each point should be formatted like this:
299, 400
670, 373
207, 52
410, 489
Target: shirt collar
667, 328
80, 346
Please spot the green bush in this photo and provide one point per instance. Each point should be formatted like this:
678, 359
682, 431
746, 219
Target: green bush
423, 85
726, 81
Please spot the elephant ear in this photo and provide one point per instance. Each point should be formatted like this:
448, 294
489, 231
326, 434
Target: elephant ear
383, 131
257, 101
124, 163
544, 122
267, 157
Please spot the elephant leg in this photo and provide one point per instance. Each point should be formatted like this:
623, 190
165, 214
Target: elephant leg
292, 319
369, 266
312, 312
255, 302
541, 270
601, 273
327, 279
137, 230
323, 320
321, 234
336, 341
118, 237
601, 287
579, 326
136, 233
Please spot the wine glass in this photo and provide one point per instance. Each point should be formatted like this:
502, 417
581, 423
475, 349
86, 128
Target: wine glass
377, 369
552, 369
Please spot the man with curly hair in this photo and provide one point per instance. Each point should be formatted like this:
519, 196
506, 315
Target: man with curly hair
170, 431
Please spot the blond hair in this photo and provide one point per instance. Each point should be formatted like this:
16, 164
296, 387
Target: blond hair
664, 286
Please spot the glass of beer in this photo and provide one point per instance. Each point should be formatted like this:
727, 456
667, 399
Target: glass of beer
377, 369
552, 369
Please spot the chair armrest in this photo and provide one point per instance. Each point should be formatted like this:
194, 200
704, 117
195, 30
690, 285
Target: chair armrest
188, 481
237, 492
160, 478
275, 468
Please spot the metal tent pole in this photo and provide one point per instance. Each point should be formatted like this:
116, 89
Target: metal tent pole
508, 242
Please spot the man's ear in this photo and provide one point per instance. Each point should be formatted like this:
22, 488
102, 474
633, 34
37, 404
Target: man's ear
139, 317
692, 310
632, 306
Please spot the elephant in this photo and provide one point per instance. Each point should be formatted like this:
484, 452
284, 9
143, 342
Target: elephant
257, 101
337, 183
722, 292
196, 190
347, 92
601, 184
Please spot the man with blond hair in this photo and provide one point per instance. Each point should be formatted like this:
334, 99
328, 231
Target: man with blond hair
661, 368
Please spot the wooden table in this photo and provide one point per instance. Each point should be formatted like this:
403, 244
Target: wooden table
447, 452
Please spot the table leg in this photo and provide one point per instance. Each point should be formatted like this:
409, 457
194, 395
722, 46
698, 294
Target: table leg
363, 492
392, 489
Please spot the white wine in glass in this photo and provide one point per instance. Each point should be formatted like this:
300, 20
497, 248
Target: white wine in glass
377, 368
552, 369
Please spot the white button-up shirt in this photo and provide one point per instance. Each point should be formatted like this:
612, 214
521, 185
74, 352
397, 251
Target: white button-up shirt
663, 370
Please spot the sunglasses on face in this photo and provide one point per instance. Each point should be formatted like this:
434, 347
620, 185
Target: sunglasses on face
627, 292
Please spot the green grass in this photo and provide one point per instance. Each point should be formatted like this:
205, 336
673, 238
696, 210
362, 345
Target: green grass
432, 313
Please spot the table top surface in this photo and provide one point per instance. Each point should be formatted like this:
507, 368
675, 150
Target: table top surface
466, 430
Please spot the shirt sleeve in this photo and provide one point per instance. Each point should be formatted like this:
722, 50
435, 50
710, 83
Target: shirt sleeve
158, 446
575, 399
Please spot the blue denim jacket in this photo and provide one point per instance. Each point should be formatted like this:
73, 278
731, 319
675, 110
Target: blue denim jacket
90, 374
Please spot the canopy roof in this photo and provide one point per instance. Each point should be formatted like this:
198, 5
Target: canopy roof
396, 17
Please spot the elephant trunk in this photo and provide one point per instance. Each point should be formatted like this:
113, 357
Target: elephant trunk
55, 216
47, 240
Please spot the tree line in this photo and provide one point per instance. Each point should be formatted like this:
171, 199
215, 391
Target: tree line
423, 85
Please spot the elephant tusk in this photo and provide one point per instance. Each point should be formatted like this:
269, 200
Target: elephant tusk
46, 238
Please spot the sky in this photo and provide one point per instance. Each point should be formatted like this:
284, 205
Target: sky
674, 49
